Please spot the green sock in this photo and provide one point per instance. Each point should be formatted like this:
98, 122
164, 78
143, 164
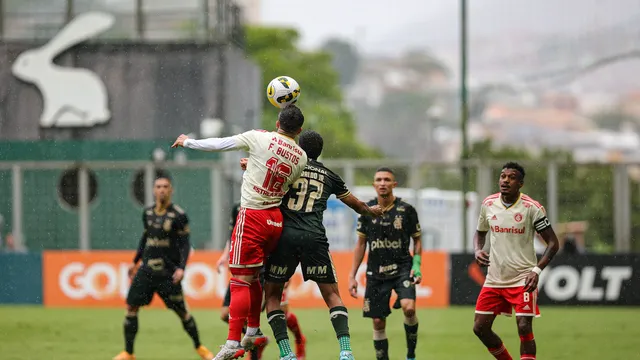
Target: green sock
345, 343
285, 347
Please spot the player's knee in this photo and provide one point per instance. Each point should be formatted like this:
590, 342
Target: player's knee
132, 310
379, 324
480, 328
409, 312
524, 328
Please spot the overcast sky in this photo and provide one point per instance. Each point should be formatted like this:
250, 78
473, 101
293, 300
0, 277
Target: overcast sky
388, 26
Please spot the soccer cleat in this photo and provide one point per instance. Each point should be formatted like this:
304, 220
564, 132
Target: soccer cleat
124, 356
301, 351
346, 355
204, 353
229, 352
254, 342
289, 357
411, 358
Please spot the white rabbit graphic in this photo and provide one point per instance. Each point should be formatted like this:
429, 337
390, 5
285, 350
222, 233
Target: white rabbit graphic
72, 97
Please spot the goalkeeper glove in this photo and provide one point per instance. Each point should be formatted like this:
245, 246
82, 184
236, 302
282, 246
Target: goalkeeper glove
417, 261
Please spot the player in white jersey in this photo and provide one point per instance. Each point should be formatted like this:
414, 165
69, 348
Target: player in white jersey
275, 162
512, 278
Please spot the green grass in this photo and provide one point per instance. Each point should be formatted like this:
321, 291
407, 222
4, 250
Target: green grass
28, 333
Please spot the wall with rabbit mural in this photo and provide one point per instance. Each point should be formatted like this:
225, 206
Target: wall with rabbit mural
155, 91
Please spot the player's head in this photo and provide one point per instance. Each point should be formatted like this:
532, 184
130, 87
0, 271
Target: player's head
311, 142
384, 181
162, 189
511, 178
290, 120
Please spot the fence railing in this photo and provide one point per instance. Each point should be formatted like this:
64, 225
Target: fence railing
140, 20
98, 205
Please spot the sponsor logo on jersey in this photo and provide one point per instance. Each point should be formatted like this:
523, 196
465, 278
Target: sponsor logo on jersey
385, 244
508, 230
388, 268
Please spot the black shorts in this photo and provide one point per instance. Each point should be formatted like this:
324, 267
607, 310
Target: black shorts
309, 250
227, 296
377, 294
145, 284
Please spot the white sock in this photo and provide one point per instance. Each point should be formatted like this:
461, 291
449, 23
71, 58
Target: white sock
379, 334
233, 343
251, 331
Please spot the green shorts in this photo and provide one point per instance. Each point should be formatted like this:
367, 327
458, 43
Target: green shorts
309, 250
145, 284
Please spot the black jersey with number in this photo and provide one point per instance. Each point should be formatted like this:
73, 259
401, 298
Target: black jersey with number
389, 238
164, 245
305, 202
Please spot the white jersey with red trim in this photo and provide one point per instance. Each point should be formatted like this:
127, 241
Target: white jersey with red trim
511, 232
275, 162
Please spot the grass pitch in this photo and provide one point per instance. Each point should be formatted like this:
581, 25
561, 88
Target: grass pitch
28, 333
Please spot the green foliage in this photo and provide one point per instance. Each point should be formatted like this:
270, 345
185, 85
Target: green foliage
275, 51
614, 119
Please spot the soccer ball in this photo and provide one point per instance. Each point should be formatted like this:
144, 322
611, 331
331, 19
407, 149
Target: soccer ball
283, 91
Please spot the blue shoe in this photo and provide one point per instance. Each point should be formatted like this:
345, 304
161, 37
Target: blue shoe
411, 358
346, 355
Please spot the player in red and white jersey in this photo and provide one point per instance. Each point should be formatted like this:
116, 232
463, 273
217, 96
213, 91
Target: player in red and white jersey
511, 218
275, 162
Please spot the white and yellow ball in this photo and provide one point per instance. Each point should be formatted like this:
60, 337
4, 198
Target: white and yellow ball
283, 91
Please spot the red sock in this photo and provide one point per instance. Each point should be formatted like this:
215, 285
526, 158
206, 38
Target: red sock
256, 304
500, 353
239, 308
292, 324
527, 357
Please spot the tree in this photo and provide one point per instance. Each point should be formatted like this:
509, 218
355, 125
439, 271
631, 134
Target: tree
275, 51
345, 59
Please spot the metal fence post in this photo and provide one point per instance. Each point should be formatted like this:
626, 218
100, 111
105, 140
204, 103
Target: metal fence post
83, 209
552, 193
16, 186
621, 208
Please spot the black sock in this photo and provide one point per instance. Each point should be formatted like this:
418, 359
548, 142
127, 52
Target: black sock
254, 355
191, 329
340, 320
278, 323
130, 331
411, 332
382, 349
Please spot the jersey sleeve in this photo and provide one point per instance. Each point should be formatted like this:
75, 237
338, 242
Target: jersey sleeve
540, 220
340, 189
483, 223
247, 140
184, 245
413, 224
363, 226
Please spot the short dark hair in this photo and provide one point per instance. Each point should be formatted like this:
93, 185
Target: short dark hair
514, 166
291, 119
385, 169
312, 143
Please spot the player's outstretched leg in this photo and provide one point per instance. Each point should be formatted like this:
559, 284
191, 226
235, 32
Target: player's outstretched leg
527, 341
339, 318
277, 319
410, 326
482, 325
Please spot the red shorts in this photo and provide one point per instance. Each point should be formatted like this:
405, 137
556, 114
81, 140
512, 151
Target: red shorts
501, 301
255, 235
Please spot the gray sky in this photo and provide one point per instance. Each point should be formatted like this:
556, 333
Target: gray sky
387, 26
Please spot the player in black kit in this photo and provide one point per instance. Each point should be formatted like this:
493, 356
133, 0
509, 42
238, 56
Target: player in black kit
164, 249
390, 265
304, 242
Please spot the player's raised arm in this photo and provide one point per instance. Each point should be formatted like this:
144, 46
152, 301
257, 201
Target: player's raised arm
237, 142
